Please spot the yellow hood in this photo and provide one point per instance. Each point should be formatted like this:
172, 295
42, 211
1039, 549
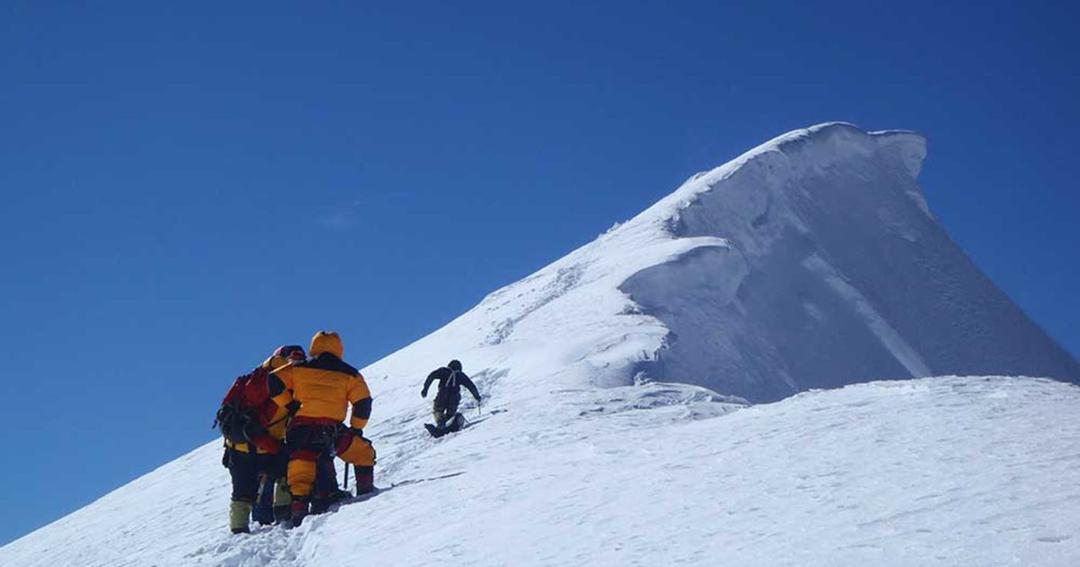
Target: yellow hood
326, 341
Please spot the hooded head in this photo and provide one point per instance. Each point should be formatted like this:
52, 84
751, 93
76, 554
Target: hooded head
326, 341
291, 352
454, 365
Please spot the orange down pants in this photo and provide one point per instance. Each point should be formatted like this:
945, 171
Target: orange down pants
307, 442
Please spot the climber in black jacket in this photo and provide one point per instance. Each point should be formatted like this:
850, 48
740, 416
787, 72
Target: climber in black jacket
451, 379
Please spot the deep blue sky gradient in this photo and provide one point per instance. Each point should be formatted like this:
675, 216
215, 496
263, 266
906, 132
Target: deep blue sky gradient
186, 187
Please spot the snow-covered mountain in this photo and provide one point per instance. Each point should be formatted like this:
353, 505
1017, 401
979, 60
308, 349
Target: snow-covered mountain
617, 430
811, 261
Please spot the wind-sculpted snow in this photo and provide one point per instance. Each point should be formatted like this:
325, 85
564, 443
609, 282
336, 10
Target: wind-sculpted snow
616, 383
835, 273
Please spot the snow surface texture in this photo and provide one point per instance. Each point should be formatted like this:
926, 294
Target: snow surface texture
949, 471
811, 261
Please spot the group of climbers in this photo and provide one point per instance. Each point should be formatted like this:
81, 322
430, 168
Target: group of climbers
283, 425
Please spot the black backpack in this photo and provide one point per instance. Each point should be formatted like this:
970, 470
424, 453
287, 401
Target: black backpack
233, 423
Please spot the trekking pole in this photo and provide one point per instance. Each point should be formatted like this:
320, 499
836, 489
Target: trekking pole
346, 475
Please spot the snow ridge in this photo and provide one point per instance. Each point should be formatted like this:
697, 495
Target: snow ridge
836, 273
810, 261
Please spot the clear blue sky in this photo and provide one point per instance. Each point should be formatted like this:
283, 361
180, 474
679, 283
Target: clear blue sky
184, 188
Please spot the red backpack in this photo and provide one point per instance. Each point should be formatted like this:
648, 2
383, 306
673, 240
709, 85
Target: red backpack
246, 408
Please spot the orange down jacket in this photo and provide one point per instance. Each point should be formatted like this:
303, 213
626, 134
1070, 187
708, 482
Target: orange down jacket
322, 388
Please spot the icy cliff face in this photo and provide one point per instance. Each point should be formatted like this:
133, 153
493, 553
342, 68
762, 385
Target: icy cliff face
834, 272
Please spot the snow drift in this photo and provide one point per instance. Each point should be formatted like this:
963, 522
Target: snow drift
811, 261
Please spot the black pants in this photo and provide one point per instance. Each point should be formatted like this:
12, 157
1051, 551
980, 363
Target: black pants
245, 469
445, 406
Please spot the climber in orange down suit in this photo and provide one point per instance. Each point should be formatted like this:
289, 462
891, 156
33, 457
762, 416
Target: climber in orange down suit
320, 391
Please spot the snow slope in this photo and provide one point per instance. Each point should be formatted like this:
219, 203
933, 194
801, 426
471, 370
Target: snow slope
612, 376
949, 471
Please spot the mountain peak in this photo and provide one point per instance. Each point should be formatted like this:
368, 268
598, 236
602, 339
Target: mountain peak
833, 267
801, 152
810, 261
